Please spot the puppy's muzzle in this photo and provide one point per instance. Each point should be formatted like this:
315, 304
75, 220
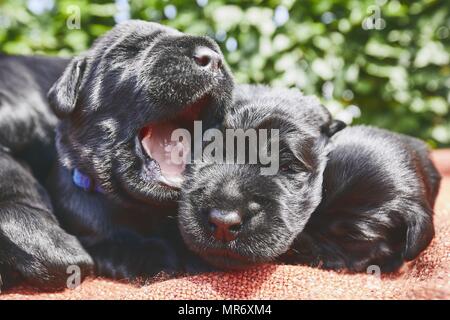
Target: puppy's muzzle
225, 225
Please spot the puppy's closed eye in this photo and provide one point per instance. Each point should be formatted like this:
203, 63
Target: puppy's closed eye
294, 167
287, 168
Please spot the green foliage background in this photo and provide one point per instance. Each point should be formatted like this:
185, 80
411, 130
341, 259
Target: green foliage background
397, 77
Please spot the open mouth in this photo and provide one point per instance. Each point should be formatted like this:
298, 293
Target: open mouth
167, 157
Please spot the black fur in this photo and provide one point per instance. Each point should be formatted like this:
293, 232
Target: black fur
33, 247
373, 207
136, 74
275, 207
377, 208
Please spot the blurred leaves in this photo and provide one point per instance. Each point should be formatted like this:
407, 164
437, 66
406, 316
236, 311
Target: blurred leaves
380, 62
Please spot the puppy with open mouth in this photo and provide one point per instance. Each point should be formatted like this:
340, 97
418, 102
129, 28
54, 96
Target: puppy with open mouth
113, 186
119, 104
340, 200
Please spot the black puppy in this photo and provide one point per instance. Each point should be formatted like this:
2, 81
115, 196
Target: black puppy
232, 215
117, 105
377, 209
374, 205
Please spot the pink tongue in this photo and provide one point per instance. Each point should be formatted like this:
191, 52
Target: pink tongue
170, 155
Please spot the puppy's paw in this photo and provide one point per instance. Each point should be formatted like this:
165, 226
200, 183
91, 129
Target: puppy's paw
37, 251
135, 261
67, 263
53, 261
56, 263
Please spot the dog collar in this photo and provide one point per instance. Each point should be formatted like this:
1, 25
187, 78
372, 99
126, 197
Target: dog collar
85, 182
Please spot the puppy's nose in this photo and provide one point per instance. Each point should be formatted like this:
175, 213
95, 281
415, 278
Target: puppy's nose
225, 224
207, 58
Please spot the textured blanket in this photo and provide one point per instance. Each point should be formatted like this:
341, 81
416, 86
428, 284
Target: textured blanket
428, 277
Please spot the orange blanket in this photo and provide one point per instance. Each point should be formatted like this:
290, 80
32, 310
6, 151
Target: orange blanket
428, 277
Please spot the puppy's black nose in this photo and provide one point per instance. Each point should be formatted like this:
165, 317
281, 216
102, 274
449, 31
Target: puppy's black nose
207, 58
225, 224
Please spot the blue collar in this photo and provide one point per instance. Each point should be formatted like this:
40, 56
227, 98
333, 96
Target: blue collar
85, 182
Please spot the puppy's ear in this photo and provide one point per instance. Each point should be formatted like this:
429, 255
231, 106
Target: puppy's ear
333, 127
63, 95
420, 233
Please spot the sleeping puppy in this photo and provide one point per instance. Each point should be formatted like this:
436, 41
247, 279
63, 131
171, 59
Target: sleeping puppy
374, 205
112, 188
232, 215
377, 209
